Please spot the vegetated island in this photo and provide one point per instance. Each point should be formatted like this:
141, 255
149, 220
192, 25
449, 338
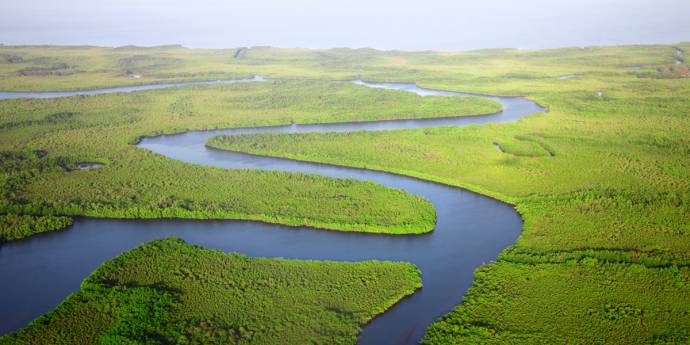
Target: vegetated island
601, 181
43, 140
170, 292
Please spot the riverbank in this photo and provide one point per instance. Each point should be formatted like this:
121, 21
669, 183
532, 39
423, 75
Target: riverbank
501, 227
163, 189
605, 213
165, 290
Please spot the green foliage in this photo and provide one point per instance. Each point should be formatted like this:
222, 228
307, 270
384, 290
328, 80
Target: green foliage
15, 227
597, 180
612, 175
11, 58
58, 69
169, 292
512, 303
525, 147
601, 182
137, 184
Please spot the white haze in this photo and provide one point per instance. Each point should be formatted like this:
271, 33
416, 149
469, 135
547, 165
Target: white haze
387, 24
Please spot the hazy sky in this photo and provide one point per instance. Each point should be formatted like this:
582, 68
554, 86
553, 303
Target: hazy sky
386, 24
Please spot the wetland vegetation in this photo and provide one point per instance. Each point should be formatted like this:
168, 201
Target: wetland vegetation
15, 227
43, 141
170, 292
603, 183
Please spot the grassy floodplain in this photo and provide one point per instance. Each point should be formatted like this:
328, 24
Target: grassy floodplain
43, 139
84, 67
602, 181
170, 292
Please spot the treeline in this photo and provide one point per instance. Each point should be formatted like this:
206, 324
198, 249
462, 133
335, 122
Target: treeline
28, 187
15, 227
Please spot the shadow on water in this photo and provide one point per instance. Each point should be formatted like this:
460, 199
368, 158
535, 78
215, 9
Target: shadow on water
471, 229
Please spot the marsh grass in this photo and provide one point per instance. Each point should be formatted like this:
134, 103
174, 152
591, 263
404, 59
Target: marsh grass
43, 139
170, 292
601, 182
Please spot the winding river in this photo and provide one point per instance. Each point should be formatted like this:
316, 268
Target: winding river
471, 229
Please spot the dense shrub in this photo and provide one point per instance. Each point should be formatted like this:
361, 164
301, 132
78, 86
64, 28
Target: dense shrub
169, 292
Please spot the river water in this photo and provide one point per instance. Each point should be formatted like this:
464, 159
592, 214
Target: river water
39, 272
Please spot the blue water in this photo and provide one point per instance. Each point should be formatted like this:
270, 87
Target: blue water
471, 229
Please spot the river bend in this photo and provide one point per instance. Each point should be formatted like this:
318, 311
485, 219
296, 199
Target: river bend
39, 272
